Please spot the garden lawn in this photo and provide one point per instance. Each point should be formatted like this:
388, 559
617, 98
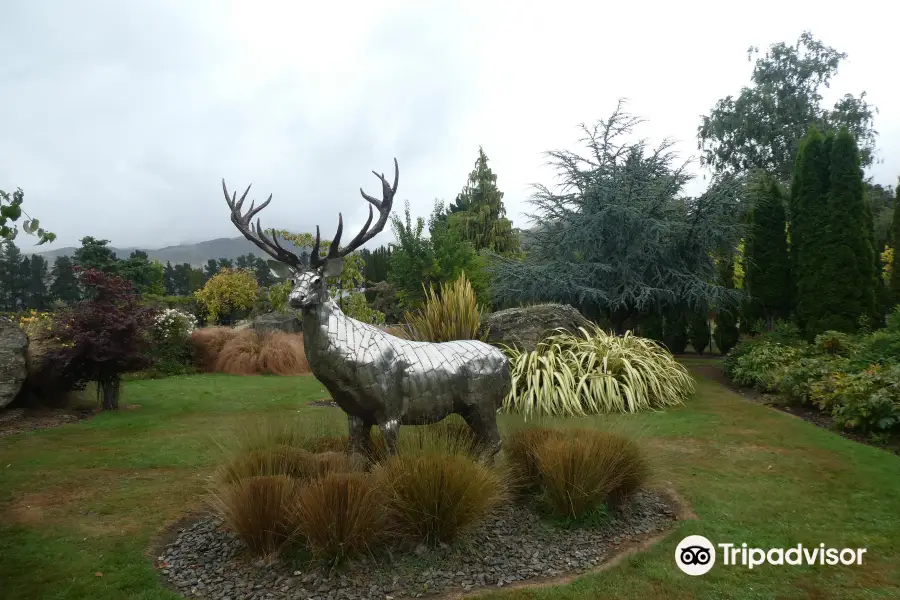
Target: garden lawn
82, 505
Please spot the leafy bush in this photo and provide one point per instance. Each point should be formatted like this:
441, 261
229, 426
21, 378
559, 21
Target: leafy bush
434, 497
252, 352
585, 469
100, 337
169, 335
454, 314
835, 342
758, 367
278, 295
340, 515
868, 401
595, 372
795, 379
880, 347
261, 510
228, 292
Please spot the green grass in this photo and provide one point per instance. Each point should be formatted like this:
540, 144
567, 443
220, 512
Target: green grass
92, 497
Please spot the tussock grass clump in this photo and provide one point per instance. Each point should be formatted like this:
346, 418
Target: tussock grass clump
286, 460
260, 510
267, 433
595, 372
587, 468
520, 448
451, 315
206, 344
252, 352
340, 515
435, 497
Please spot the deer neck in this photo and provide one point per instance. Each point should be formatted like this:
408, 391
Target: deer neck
321, 326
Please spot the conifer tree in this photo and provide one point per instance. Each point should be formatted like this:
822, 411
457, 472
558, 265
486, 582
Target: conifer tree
65, 283
479, 215
767, 276
809, 221
895, 244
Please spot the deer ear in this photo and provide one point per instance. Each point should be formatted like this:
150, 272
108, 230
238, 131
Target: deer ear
333, 267
281, 270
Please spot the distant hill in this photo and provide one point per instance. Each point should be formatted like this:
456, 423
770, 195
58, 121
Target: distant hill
195, 254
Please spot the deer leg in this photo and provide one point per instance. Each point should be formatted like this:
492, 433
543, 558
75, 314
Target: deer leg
483, 421
360, 435
390, 429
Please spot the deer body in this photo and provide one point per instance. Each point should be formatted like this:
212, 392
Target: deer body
376, 378
380, 379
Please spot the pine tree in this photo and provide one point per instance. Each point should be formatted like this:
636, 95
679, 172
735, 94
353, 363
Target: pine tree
36, 274
479, 215
65, 284
809, 221
895, 244
95, 254
767, 271
12, 279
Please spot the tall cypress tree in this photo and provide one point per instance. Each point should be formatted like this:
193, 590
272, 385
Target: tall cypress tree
847, 270
727, 333
809, 221
767, 271
895, 244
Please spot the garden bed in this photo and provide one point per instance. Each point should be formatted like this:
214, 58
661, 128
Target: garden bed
18, 420
512, 546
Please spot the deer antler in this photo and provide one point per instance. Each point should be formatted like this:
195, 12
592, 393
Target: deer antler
255, 233
365, 234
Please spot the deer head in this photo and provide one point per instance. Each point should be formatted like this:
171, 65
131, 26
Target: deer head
308, 279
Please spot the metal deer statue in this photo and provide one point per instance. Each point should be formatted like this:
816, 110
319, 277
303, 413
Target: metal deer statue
377, 378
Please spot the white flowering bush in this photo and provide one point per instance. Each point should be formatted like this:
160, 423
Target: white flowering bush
173, 324
170, 333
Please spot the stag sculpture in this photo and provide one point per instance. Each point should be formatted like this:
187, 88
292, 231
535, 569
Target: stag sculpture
377, 378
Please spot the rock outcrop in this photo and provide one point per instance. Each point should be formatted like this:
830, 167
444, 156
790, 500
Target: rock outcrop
13, 368
524, 327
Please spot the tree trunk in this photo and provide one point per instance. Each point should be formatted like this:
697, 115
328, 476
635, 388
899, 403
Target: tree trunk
109, 392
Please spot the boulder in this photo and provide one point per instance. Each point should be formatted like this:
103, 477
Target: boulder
524, 327
287, 321
13, 369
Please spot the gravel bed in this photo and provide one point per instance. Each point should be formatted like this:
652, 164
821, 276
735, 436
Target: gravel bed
512, 545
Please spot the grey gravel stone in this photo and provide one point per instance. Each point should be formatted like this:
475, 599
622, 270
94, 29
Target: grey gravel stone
511, 545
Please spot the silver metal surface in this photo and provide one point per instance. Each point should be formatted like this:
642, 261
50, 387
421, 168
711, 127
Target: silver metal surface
377, 378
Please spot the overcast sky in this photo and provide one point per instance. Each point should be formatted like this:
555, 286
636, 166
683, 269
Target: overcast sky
120, 117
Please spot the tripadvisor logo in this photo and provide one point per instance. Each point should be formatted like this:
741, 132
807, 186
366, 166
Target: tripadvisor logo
696, 555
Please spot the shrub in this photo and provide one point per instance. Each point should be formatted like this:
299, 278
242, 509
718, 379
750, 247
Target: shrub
795, 379
270, 433
452, 315
253, 352
228, 292
699, 332
868, 401
835, 342
169, 335
435, 497
586, 469
880, 347
261, 510
595, 372
340, 515
756, 363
